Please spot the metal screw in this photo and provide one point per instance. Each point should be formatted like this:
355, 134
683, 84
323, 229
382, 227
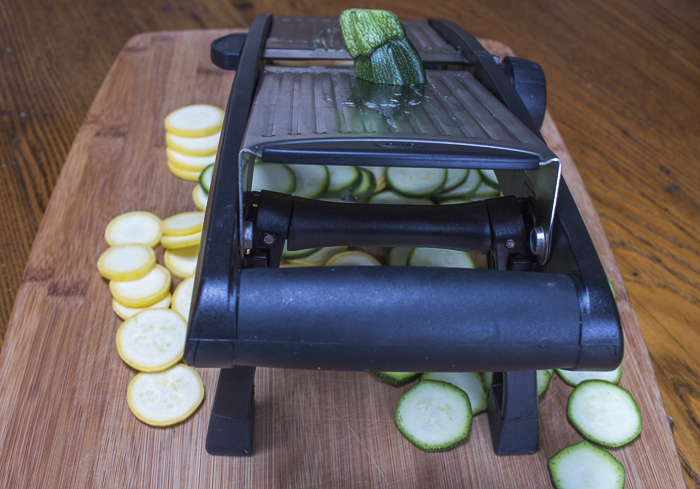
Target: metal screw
510, 244
269, 238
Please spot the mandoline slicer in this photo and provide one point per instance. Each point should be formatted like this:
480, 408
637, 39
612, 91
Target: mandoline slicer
544, 302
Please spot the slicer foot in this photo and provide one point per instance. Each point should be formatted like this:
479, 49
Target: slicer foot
513, 413
233, 413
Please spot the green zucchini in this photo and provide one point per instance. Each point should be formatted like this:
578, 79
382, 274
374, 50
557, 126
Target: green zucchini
205, 177
397, 379
469, 382
586, 466
376, 40
366, 187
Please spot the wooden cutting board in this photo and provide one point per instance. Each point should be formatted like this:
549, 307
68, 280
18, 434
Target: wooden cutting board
64, 419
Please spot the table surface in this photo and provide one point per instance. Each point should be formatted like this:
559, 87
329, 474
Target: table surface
622, 85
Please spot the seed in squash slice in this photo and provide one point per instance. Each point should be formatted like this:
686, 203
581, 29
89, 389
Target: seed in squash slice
194, 121
134, 227
143, 292
165, 398
182, 262
126, 312
126, 262
183, 224
152, 340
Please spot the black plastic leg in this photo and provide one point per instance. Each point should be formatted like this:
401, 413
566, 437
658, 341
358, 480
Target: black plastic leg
513, 413
233, 413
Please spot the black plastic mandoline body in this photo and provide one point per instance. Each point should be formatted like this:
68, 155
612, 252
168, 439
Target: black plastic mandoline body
545, 302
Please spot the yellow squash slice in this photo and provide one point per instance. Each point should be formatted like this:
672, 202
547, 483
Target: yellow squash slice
126, 262
176, 242
200, 198
165, 398
181, 262
145, 291
318, 258
352, 258
127, 312
134, 227
194, 121
189, 163
182, 298
192, 176
204, 146
152, 340
183, 224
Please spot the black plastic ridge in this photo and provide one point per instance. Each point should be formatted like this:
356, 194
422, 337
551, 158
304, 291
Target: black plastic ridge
485, 69
213, 313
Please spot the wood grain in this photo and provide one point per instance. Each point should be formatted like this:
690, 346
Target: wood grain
65, 421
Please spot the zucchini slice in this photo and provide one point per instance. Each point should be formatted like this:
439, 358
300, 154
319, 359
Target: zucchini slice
200, 198
584, 466
203, 146
455, 178
311, 180
145, 291
205, 177
398, 257
436, 257
465, 189
353, 259
126, 312
134, 227
397, 379
319, 257
183, 224
391, 197
273, 176
416, 182
575, 377
182, 262
194, 121
366, 188
604, 413
291, 255
434, 416
189, 163
543, 378
343, 181
126, 262
182, 298
469, 382
489, 178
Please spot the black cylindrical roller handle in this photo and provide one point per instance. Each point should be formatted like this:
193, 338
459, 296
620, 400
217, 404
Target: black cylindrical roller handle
316, 224
414, 319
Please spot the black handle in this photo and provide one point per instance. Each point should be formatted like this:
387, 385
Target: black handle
418, 319
225, 51
460, 226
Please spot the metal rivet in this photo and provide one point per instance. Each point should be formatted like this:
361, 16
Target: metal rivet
269, 238
510, 244
537, 241
247, 235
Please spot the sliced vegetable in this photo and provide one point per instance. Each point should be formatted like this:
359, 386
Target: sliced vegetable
182, 298
464, 190
575, 377
127, 312
202, 146
455, 178
434, 416
397, 379
165, 398
182, 262
489, 178
189, 163
144, 291
584, 466
352, 258
291, 255
195, 121
126, 262
152, 340
485, 191
377, 40
391, 197
175, 242
205, 178
416, 182
366, 187
398, 257
604, 413
543, 378
343, 181
311, 180
183, 224
435, 257
134, 227
273, 176
320, 257
469, 382
191, 176
200, 198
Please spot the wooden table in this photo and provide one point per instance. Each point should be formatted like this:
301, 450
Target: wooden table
623, 93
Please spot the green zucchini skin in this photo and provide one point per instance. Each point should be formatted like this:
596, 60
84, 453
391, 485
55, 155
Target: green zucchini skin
376, 39
397, 379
